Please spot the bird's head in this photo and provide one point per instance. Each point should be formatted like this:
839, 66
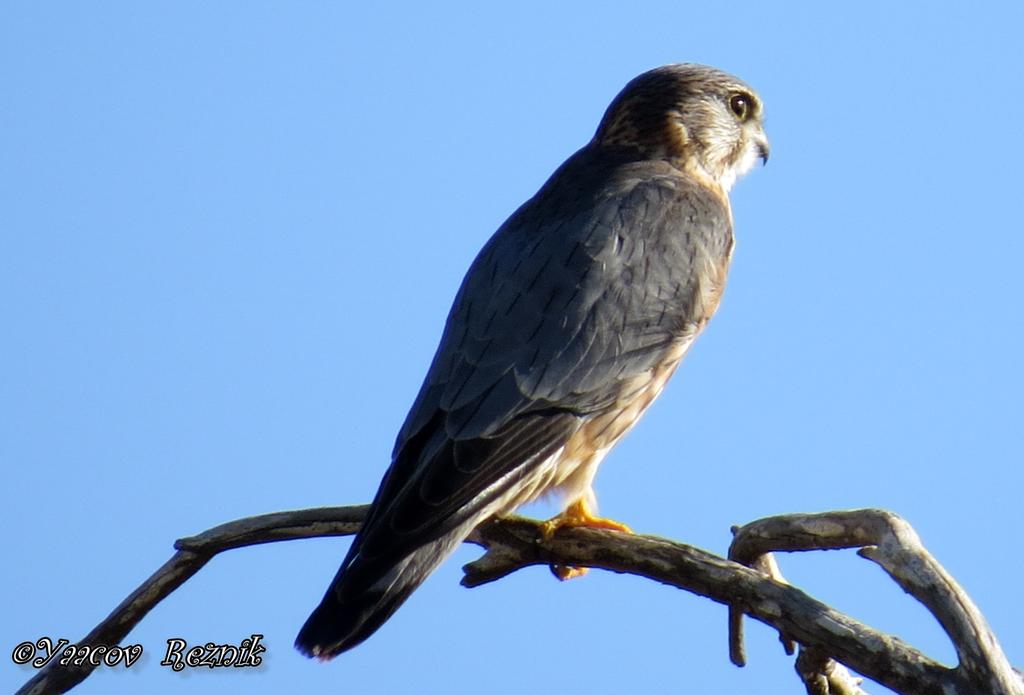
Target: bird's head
702, 119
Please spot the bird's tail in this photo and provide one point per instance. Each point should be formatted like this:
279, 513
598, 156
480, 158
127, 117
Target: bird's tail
337, 626
348, 614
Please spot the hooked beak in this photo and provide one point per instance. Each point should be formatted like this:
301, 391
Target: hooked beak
763, 150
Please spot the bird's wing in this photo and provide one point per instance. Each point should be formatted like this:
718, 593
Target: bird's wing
580, 290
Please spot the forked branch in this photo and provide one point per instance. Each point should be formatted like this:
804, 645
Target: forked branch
825, 635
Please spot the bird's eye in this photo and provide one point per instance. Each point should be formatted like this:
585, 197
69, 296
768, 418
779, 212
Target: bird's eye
741, 106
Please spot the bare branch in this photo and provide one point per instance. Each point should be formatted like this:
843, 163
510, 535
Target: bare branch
512, 544
766, 565
192, 554
888, 540
823, 676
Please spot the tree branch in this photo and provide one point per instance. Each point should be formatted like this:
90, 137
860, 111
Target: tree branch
823, 633
796, 615
193, 553
888, 540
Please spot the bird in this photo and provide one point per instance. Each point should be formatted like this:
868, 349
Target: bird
566, 327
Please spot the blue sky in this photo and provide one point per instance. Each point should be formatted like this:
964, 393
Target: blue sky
229, 236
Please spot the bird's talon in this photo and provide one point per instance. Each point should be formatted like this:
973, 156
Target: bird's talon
576, 514
548, 528
567, 572
579, 514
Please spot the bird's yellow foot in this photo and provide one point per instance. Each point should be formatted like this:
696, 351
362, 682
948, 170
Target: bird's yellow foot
576, 514
566, 572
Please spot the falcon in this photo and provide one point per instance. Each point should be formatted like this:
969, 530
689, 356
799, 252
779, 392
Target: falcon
567, 326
